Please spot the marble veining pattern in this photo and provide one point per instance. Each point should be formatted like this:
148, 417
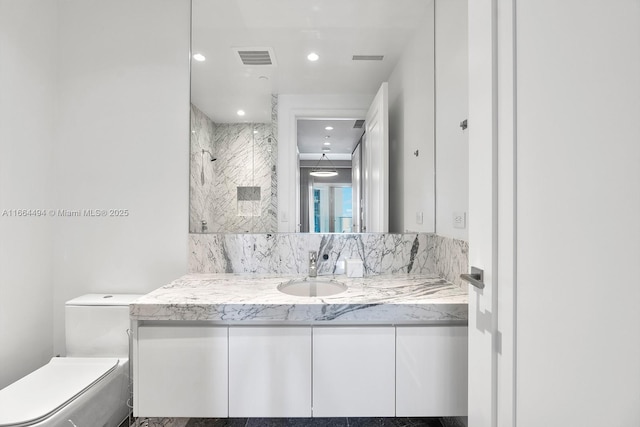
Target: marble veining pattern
272, 149
288, 253
246, 157
240, 297
201, 195
448, 258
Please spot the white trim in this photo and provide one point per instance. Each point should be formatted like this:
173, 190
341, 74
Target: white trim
506, 209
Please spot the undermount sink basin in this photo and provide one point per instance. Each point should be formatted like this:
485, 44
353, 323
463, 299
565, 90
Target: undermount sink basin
312, 287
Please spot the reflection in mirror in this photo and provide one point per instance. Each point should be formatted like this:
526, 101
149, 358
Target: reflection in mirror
327, 202
252, 79
232, 171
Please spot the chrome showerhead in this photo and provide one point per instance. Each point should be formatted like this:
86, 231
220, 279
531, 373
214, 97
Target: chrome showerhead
213, 159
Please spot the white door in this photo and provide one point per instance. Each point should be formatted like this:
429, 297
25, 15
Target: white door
491, 212
375, 179
558, 202
482, 225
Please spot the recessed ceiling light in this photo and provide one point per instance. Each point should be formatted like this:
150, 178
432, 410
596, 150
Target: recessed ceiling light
240, 112
328, 128
313, 57
199, 57
255, 131
327, 143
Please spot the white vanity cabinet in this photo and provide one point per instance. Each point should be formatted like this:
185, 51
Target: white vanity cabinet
181, 371
185, 370
431, 371
269, 371
354, 371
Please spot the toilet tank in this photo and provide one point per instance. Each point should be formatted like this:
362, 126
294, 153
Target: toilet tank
96, 325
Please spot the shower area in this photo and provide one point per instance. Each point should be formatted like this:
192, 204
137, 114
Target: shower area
233, 175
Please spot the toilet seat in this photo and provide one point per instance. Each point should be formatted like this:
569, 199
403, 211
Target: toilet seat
45, 391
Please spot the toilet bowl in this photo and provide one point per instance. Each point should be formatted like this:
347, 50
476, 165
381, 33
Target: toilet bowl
89, 387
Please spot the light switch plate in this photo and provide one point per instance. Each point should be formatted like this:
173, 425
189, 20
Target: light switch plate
419, 217
459, 220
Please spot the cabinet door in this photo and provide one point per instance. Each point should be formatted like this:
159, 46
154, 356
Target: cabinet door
353, 371
181, 371
269, 371
431, 372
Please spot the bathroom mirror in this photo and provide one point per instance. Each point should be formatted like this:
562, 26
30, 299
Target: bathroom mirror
261, 69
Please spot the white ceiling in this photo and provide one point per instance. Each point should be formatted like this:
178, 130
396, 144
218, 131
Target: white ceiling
342, 138
334, 29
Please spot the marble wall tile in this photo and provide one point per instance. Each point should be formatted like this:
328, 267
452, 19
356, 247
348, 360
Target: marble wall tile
288, 253
273, 150
246, 156
448, 258
201, 169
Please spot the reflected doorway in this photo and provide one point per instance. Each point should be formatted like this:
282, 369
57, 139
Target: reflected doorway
329, 201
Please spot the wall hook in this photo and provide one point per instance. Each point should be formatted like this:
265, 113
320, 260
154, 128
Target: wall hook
463, 124
416, 153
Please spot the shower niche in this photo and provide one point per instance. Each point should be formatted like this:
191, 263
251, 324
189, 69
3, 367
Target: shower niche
233, 175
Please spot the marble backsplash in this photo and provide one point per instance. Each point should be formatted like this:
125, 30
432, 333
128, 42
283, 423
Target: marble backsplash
288, 253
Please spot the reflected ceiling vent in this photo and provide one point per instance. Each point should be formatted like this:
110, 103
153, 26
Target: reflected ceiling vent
254, 56
367, 57
358, 124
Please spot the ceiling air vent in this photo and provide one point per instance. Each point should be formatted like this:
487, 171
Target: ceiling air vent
367, 57
254, 56
358, 124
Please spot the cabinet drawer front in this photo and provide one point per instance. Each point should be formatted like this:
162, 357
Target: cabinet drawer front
353, 371
431, 372
270, 372
182, 371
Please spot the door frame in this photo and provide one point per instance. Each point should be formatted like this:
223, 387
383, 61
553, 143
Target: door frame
502, 277
506, 129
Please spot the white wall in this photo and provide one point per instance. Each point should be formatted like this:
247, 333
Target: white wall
452, 100
291, 107
578, 234
411, 128
27, 96
123, 143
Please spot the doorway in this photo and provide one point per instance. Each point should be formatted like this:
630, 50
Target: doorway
328, 191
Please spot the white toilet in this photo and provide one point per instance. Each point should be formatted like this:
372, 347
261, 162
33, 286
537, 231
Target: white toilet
89, 387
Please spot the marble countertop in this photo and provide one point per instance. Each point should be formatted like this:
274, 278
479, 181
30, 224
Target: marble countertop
247, 298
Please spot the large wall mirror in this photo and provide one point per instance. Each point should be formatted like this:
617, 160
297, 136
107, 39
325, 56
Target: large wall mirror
284, 89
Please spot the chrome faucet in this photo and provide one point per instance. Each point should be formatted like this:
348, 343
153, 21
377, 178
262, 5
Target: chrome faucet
313, 264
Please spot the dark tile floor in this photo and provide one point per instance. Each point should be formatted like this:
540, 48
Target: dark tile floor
317, 422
